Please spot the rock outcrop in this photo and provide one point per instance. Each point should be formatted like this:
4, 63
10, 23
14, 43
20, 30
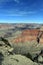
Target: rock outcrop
29, 35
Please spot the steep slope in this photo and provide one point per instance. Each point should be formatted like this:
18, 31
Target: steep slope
29, 35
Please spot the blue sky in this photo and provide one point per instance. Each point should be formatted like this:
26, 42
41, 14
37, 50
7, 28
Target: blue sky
21, 11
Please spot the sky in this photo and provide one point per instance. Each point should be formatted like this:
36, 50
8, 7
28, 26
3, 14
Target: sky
21, 11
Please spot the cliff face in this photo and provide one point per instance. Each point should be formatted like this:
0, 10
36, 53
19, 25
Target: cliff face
29, 35
41, 38
30, 32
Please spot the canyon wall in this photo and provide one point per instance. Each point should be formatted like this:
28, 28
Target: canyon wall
29, 35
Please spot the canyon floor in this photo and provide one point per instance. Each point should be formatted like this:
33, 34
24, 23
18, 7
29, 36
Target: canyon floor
21, 44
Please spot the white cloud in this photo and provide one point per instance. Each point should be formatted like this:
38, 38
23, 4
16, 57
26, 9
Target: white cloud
17, 1
4, 1
19, 13
26, 12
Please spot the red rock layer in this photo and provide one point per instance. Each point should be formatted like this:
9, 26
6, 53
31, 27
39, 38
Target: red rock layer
29, 35
30, 32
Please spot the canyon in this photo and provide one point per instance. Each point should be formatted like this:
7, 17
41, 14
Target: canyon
29, 35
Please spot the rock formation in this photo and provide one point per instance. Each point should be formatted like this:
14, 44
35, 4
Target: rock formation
29, 35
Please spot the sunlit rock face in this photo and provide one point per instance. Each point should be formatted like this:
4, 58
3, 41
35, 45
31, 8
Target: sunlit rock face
29, 35
30, 32
41, 39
